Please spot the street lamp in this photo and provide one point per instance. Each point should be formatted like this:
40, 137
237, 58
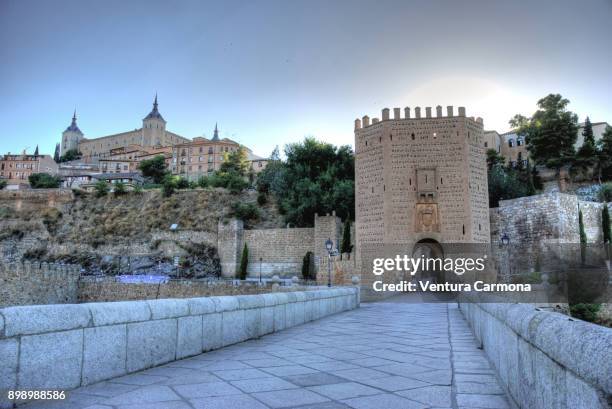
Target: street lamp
329, 245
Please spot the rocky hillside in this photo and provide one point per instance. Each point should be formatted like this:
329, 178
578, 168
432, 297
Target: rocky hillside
117, 234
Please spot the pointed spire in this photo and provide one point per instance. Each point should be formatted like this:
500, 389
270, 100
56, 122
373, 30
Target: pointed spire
36, 151
216, 134
155, 112
73, 126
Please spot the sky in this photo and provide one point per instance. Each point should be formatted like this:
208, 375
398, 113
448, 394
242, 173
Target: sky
272, 72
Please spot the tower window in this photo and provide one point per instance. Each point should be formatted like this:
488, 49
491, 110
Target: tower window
412, 136
366, 143
390, 137
464, 229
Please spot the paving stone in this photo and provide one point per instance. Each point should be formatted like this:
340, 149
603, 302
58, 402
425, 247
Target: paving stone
157, 405
262, 385
344, 390
383, 401
140, 379
439, 396
314, 379
481, 401
228, 402
360, 373
236, 374
394, 383
289, 370
145, 394
479, 388
204, 390
289, 398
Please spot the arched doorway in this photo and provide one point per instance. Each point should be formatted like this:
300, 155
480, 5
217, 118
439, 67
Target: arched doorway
428, 250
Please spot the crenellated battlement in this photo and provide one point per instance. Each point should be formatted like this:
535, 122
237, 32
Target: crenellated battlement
364, 122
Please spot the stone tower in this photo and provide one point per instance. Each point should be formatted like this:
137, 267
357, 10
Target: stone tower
153, 128
420, 179
72, 136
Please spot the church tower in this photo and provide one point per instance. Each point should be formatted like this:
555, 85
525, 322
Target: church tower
153, 128
72, 136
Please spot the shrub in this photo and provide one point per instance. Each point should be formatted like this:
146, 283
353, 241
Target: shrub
182, 183
262, 199
203, 182
101, 188
245, 211
2, 184
119, 188
244, 261
605, 192
43, 181
229, 180
168, 186
154, 169
586, 312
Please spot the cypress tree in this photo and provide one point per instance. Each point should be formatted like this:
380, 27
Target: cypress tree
244, 261
583, 238
587, 132
605, 223
306, 263
346, 246
56, 155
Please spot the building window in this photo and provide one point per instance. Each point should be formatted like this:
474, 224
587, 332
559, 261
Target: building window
486, 144
520, 141
210, 150
412, 136
511, 143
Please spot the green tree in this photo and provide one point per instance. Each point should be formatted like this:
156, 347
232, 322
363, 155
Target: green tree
507, 183
56, 155
583, 237
587, 155
494, 158
316, 177
101, 188
119, 188
168, 185
244, 262
550, 133
3, 184
605, 154
605, 223
154, 168
346, 246
43, 181
71, 154
236, 162
203, 182
182, 183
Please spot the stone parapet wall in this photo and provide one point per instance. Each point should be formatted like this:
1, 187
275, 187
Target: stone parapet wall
30, 283
544, 359
61, 347
104, 289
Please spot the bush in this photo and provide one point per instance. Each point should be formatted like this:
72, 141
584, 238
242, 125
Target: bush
154, 169
203, 182
101, 188
245, 211
2, 184
605, 192
168, 186
182, 183
586, 312
43, 181
119, 188
262, 199
229, 180
244, 261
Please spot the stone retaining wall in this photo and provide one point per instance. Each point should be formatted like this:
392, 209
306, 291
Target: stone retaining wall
62, 347
544, 359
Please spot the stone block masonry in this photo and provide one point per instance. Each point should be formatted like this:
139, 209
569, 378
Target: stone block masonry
544, 359
61, 347
30, 283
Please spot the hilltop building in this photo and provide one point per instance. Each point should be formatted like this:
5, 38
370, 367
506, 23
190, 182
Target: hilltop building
514, 147
152, 134
202, 156
16, 169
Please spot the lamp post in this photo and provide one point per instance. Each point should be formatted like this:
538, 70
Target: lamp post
504, 240
329, 245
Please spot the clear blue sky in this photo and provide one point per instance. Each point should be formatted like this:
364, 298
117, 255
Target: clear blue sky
271, 72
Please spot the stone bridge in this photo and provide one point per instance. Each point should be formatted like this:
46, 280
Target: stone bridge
400, 353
